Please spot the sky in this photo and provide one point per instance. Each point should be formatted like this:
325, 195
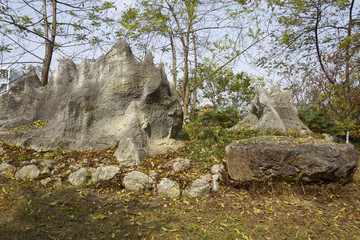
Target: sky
243, 64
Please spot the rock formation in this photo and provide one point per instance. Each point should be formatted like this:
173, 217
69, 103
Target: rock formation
94, 106
284, 158
273, 109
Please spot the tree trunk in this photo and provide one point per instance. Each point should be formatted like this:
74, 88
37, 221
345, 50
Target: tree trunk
186, 95
194, 91
174, 64
49, 42
347, 48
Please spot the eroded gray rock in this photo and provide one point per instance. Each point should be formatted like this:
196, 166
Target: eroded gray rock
114, 99
273, 109
284, 158
45, 181
198, 188
179, 164
137, 181
18, 106
7, 170
80, 177
328, 137
105, 173
168, 187
28, 172
45, 162
217, 168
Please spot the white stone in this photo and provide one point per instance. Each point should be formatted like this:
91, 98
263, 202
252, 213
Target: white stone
168, 188
215, 182
138, 181
45, 181
7, 170
180, 164
105, 173
153, 174
198, 188
217, 168
328, 137
46, 170
206, 177
57, 182
80, 177
33, 161
45, 162
28, 172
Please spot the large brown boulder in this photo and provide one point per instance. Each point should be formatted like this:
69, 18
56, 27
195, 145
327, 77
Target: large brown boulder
284, 158
95, 105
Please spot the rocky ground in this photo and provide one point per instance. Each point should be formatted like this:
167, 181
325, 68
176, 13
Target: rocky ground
108, 210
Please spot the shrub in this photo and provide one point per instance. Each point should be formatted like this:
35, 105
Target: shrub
318, 120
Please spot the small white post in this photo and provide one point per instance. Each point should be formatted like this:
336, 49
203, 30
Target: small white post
347, 136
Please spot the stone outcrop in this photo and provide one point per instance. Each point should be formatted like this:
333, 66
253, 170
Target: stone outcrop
28, 172
138, 181
80, 177
114, 99
273, 109
105, 173
20, 104
7, 170
284, 158
168, 188
198, 188
179, 164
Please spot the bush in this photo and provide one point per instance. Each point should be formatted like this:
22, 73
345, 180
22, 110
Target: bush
206, 143
318, 120
213, 117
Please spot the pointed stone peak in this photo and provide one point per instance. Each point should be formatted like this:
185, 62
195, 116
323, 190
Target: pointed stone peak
122, 46
149, 57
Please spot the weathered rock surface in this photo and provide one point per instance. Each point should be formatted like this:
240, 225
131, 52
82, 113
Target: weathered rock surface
28, 172
285, 158
168, 187
179, 164
19, 105
217, 168
45, 181
80, 177
138, 181
45, 162
105, 173
114, 99
215, 182
273, 109
7, 170
198, 188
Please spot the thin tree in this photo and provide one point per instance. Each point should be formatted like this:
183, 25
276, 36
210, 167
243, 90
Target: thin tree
35, 29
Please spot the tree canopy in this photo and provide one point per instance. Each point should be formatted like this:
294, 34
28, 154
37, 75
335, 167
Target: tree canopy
32, 30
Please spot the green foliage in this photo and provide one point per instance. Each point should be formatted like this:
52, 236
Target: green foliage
207, 138
318, 120
213, 117
226, 89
